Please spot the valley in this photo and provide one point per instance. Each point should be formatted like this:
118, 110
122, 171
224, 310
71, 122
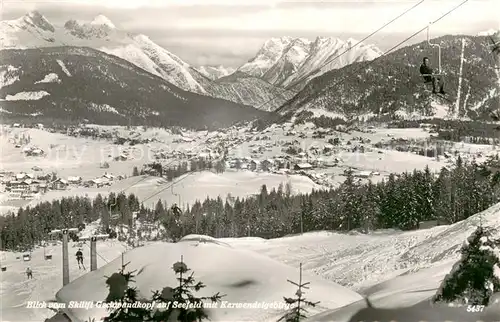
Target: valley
308, 158
90, 159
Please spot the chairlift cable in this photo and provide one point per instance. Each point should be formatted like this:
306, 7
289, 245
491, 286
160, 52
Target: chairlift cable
350, 48
394, 47
330, 60
98, 254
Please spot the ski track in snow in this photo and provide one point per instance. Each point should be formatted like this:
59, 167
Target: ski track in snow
63, 67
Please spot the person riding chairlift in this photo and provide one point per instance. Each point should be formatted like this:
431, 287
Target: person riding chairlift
429, 77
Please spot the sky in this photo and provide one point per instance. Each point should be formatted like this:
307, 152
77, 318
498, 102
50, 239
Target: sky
230, 32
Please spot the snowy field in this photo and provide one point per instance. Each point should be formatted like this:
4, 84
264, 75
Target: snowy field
77, 156
190, 187
393, 268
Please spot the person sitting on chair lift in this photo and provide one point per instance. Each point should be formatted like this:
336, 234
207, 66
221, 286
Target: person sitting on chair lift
428, 74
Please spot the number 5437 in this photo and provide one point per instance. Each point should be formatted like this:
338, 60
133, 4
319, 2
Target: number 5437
475, 308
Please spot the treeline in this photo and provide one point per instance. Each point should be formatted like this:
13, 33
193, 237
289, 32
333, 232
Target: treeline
175, 171
431, 148
456, 130
399, 202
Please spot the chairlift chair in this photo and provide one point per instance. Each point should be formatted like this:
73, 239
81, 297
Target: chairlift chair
439, 53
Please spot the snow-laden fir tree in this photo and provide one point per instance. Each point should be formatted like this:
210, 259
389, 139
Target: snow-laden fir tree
297, 312
190, 308
473, 278
121, 292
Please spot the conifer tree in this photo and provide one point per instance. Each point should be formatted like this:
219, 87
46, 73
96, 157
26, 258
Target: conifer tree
472, 279
297, 312
120, 292
189, 307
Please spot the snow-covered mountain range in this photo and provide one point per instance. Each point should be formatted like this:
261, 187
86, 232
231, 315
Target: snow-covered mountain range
281, 68
35, 31
292, 62
392, 87
81, 83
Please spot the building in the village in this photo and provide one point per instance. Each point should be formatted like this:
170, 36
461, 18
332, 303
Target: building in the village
59, 184
253, 165
303, 166
74, 180
267, 165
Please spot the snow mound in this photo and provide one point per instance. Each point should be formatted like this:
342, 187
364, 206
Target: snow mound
244, 276
50, 78
26, 96
203, 239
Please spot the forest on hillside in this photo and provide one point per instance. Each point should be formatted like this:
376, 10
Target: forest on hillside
399, 202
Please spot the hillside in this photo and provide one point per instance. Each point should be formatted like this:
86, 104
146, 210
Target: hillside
222, 268
35, 31
245, 87
76, 83
291, 62
240, 87
391, 85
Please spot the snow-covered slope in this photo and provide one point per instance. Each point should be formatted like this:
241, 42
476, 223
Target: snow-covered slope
323, 57
395, 269
240, 87
244, 276
35, 31
291, 62
215, 72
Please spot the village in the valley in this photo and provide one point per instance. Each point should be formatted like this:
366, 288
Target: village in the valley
323, 157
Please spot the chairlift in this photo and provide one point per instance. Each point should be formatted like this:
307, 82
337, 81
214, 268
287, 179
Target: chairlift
439, 52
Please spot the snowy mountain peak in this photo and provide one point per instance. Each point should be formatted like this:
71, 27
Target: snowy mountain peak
102, 20
351, 41
37, 20
215, 72
324, 41
267, 56
278, 40
275, 46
